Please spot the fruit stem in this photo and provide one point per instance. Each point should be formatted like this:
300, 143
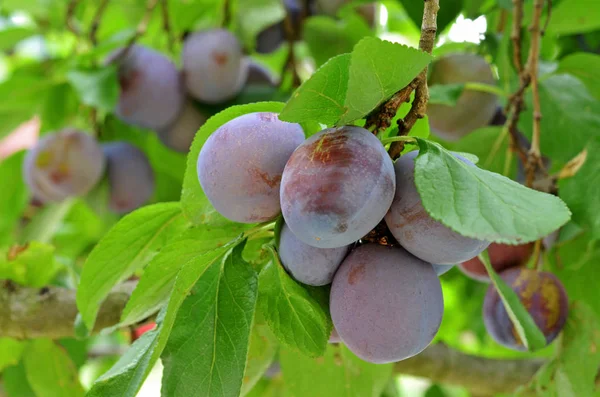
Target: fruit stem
267, 226
485, 88
402, 138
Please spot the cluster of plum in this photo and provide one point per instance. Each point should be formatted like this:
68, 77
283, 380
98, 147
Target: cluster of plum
333, 189
70, 163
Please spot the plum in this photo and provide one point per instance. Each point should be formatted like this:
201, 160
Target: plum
63, 164
214, 67
130, 176
240, 165
271, 38
151, 92
336, 187
417, 231
442, 269
260, 75
308, 264
386, 304
474, 109
180, 134
542, 294
502, 256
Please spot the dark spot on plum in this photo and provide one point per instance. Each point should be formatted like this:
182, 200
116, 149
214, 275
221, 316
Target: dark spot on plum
356, 274
341, 227
272, 182
266, 116
220, 58
127, 81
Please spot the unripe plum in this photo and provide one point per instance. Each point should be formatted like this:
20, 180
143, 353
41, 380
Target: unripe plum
502, 257
214, 66
474, 109
417, 231
151, 92
180, 134
542, 294
307, 264
386, 304
130, 176
61, 165
337, 186
241, 163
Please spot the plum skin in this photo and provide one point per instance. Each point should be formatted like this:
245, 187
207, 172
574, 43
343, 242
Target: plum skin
180, 134
336, 187
151, 91
474, 109
386, 304
417, 231
241, 163
442, 269
502, 257
307, 264
130, 176
542, 294
214, 67
64, 164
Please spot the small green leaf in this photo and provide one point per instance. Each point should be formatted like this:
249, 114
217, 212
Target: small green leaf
298, 319
10, 352
128, 246
208, 346
50, 371
528, 331
584, 66
337, 373
379, 69
575, 16
194, 202
15, 383
13, 195
480, 204
445, 94
31, 265
321, 98
12, 35
96, 87
127, 376
156, 283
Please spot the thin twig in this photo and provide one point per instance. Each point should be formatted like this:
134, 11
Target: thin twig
167, 24
419, 105
548, 15
139, 32
515, 36
70, 16
290, 62
226, 13
535, 159
96, 21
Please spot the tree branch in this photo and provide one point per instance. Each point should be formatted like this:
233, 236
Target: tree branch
96, 21
50, 312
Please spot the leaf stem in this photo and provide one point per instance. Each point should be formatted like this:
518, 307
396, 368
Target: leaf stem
474, 86
402, 138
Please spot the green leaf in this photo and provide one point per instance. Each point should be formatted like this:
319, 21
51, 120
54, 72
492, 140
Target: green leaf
12, 35
127, 376
15, 383
327, 37
11, 351
581, 192
262, 350
584, 66
128, 246
337, 373
194, 202
378, 69
156, 283
13, 195
575, 16
297, 318
207, 350
480, 204
446, 15
321, 98
50, 371
570, 117
573, 371
96, 87
31, 265
528, 331
445, 94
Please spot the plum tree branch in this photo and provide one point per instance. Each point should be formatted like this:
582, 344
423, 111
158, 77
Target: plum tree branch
382, 117
50, 312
